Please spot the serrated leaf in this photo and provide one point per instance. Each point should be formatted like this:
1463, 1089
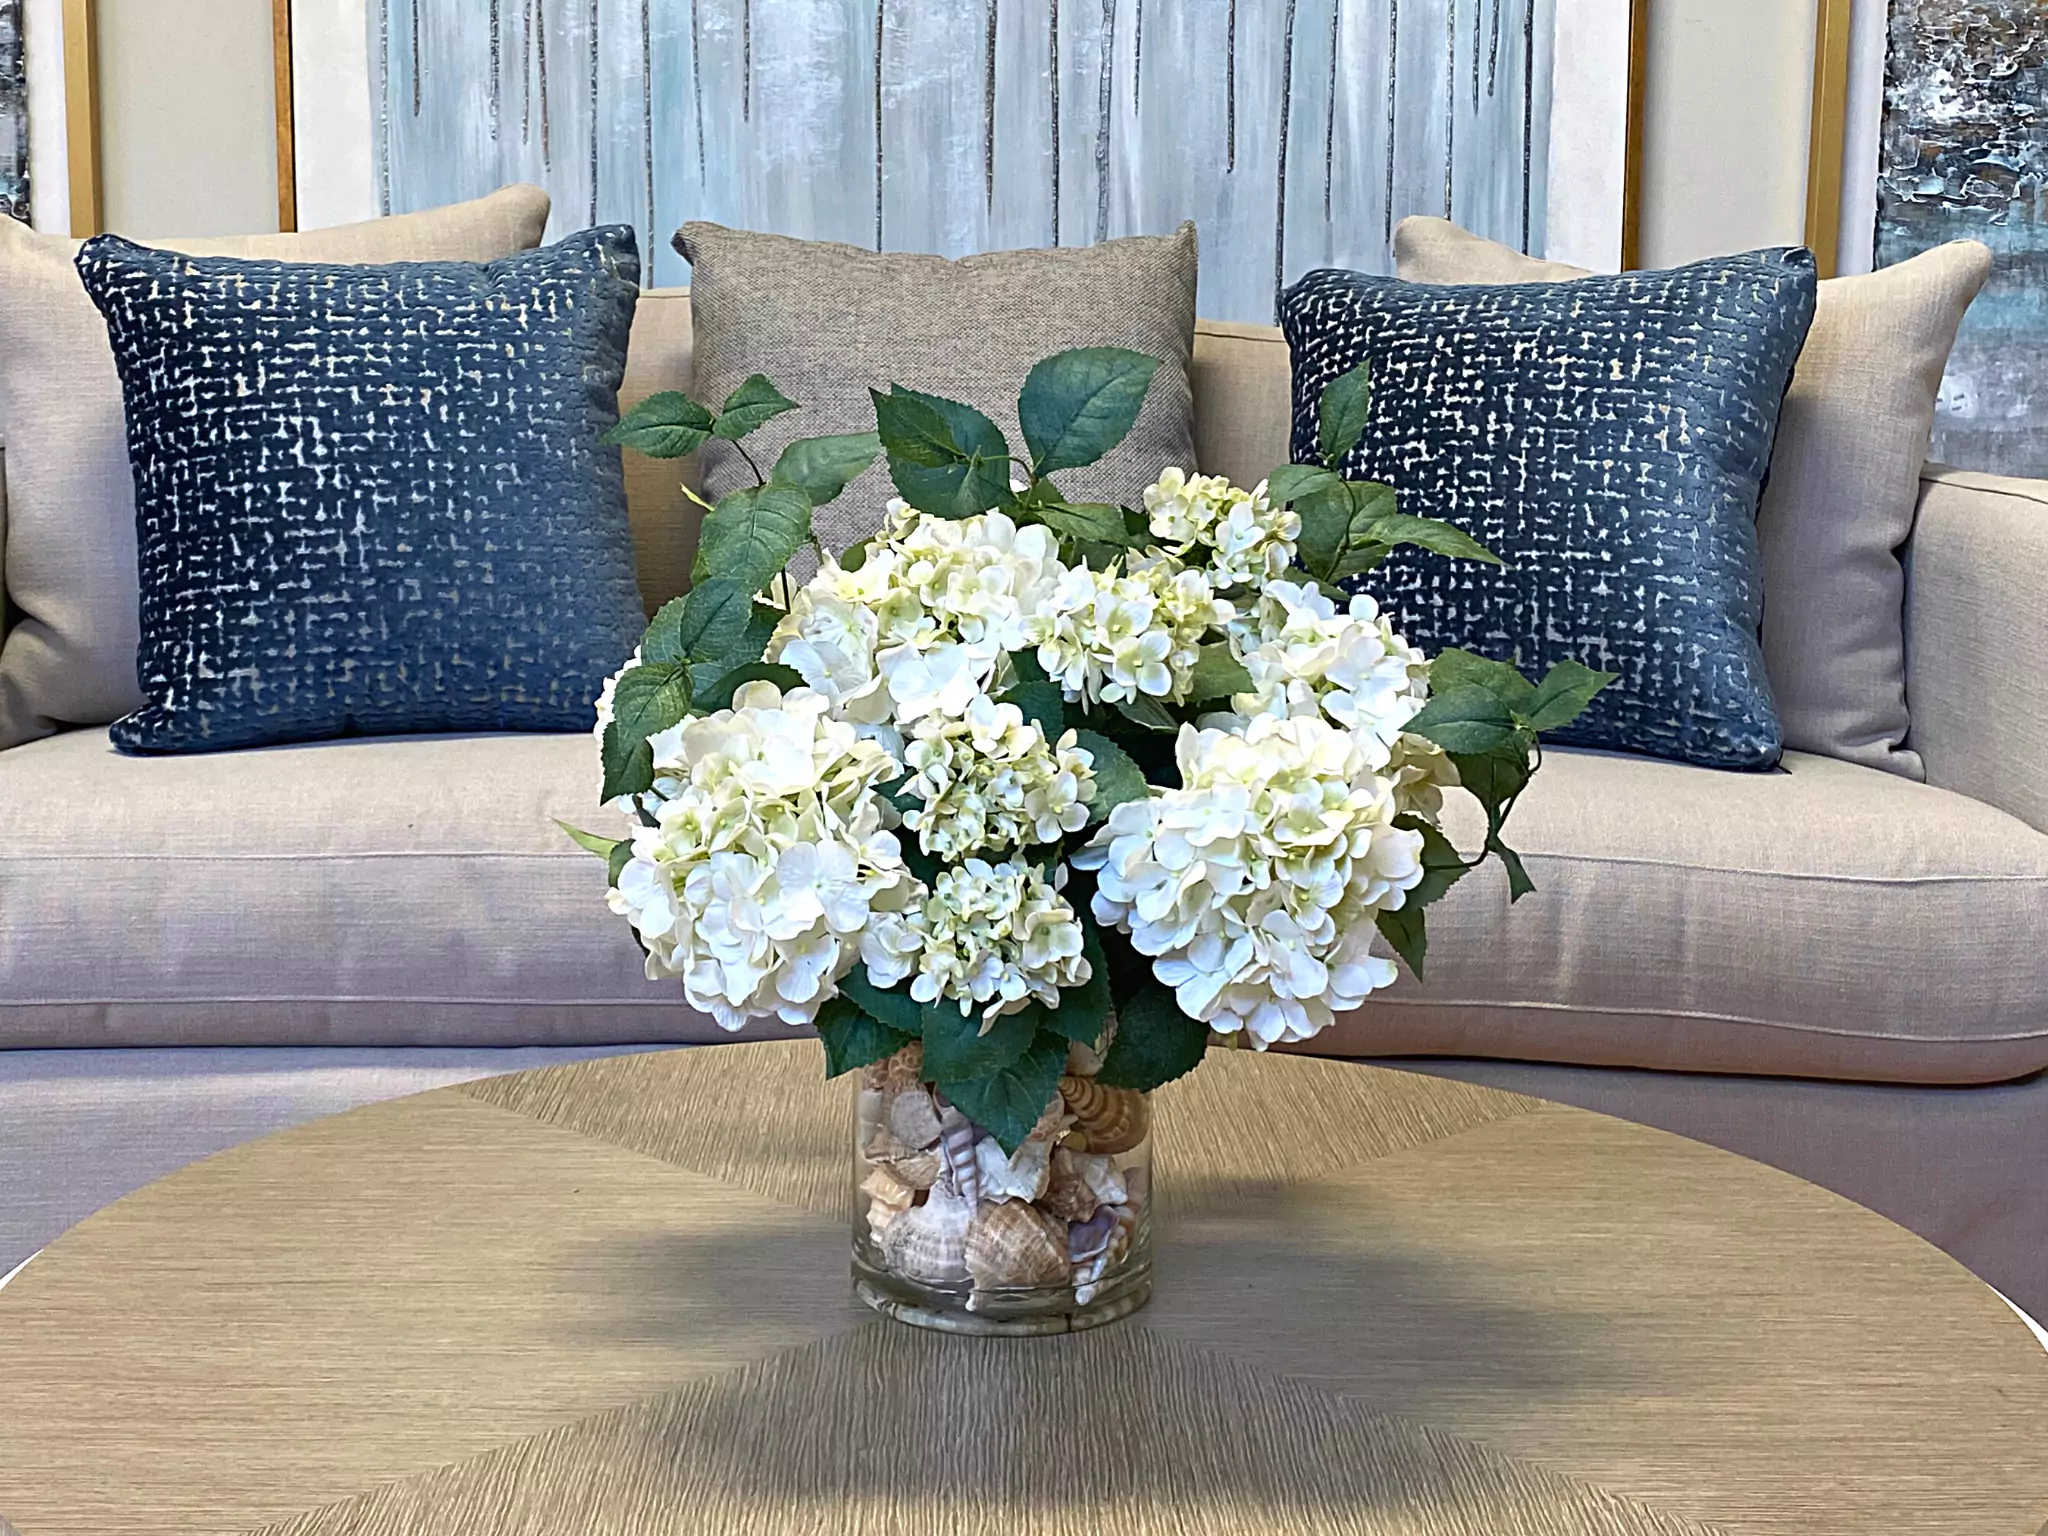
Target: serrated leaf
1345, 410
1008, 1103
1519, 883
1455, 668
1291, 482
750, 535
1217, 674
853, 1038
1083, 1010
589, 842
1078, 405
1040, 702
1325, 524
1118, 778
1563, 695
1095, 522
615, 866
1442, 865
719, 695
1467, 719
628, 763
704, 624
753, 404
946, 458
1026, 666
1372, 504
1494, 779
1358, 560
1155, 1042
898, 1010
822, 467
1408, 931
664, 426
1395, 528
912, 430
1149, 712
955, 1048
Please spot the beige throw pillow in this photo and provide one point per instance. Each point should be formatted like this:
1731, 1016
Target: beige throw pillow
69, 563
825, 322
1844, 481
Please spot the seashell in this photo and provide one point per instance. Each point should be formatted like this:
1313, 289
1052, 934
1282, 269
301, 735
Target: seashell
1084, 1060
1081, 1183
888, 1198
1113, 1119
927, 1244
957, 1136
898, 1073
917, 1168
1022, 1177
914, 1118
1013, 1246
1096, 1244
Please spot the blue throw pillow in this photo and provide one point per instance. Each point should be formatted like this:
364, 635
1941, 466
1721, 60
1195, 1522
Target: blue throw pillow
373, 500
1608, 439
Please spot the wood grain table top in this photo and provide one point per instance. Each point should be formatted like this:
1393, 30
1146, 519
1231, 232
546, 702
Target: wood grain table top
612, 1299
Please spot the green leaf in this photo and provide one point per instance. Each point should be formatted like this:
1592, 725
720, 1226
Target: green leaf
1424, 532
615, 866
1118, 778
753, 404
1009, 1103
589, 842
1040, 702
1519, 883
898, 1010
1078, 405
1358, 560
1155, 1042
1290, 483
1408, 931
1346, 407
1149, 712
1097, 522
1025, 665
1217, 674
1467, 719
628, 763
955, 1048
704, 624
1083, 1010
946, 458
664, 426
1460, 669
1442, 865
1494, 779
853, 1039
912, 431
750, 535
1325, 524
1371, 504
719, 695
1563, 695
822, 467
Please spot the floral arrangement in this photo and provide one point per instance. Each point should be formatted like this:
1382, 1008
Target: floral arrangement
1014, 755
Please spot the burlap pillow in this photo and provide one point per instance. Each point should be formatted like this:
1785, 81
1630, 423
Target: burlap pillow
1844, 481
70, 553
825, 322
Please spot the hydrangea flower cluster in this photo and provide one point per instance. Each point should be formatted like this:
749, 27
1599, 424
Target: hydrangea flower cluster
1240, 536
1254, 885
768, 859
989, 780
1110, 636
993, 936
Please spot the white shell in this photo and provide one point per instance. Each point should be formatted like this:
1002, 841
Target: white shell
957, 1137
927, 1243
888, 1198
1081, 1183
914, 1118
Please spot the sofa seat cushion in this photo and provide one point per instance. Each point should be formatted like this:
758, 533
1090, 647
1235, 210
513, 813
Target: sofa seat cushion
1827, 920
405, 891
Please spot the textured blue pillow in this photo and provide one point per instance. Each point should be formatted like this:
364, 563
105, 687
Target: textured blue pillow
1608, 438
373, 500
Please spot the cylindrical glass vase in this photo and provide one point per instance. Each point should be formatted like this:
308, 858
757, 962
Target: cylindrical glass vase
951, 1232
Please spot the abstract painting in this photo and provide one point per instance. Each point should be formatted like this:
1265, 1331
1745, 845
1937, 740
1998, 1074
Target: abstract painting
14, 189
1294, 132
1965, 156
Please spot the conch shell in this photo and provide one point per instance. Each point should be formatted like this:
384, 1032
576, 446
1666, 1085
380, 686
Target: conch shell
927, 1243
914, 1118
1109, 1119
957, 1136
1084, 1060
1022, 1177
888, 1198
1015, 1246
1081, 1183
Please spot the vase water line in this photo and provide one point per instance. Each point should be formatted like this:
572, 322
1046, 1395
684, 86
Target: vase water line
951, 1232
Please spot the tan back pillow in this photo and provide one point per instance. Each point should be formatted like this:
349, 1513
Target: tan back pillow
1844, 481
69, 562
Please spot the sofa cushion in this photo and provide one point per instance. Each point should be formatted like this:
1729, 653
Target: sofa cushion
1827, 920
70, 554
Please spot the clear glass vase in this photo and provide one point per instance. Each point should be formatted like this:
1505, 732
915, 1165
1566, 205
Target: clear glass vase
950, 1232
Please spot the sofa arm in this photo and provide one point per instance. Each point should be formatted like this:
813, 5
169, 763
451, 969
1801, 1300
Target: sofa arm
1977, 638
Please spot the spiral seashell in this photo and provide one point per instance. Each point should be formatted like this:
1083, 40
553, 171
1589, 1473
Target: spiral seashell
1013, 1246
1112, 1119
896, 1074
1022, 1177
1084, 1060
957, 1136
1079, 1184
888, 1198
927, 1244
1096, 1244
914, 1118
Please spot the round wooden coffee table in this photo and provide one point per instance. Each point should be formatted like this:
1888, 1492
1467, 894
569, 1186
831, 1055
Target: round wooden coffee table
613, 1298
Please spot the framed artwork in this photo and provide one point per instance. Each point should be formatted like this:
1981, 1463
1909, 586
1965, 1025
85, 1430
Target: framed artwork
1294, 132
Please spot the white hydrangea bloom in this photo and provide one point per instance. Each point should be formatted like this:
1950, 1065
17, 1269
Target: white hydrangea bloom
1111, 636
990, 780
1240, 536
608, 694
1254, 886
768, 860
1306, 658
993, 936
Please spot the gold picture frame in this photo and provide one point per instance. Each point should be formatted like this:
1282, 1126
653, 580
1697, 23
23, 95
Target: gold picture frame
1827, 133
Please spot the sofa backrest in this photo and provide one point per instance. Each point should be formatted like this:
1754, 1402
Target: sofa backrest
1239, 375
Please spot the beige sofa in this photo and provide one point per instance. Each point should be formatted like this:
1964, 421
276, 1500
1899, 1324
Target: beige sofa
1830, 968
